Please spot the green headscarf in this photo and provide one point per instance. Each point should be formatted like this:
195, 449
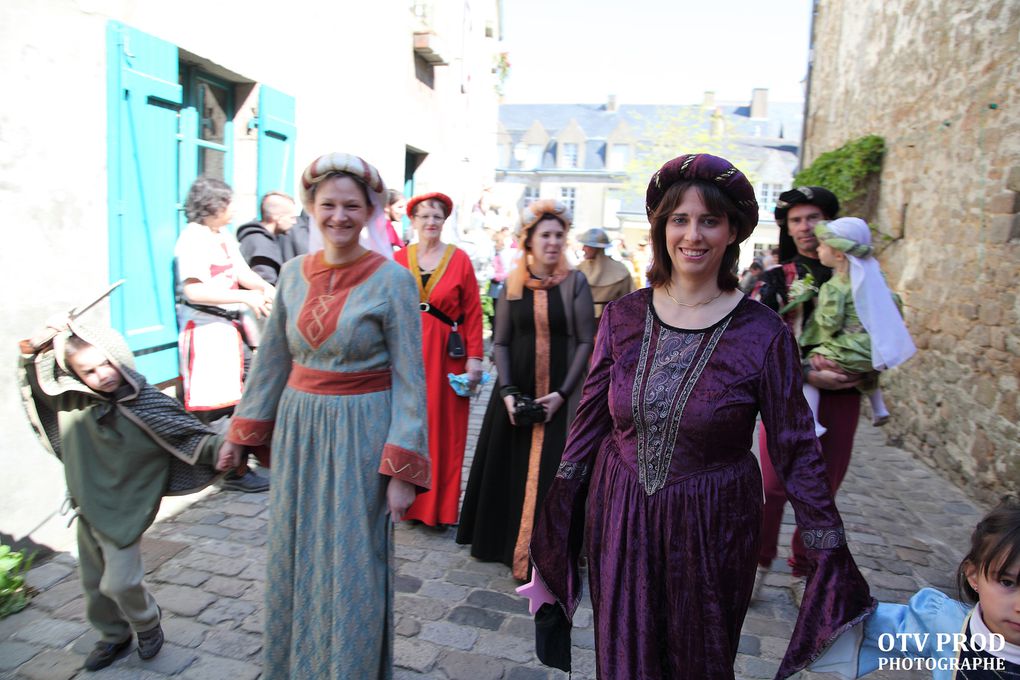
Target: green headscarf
841, 243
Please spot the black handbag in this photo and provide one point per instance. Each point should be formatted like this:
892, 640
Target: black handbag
552, 637
455, 345
527, 411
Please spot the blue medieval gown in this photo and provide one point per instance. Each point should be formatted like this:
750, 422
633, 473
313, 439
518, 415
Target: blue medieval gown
339, 387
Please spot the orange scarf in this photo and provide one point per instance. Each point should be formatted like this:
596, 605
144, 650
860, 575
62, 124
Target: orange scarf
520, 276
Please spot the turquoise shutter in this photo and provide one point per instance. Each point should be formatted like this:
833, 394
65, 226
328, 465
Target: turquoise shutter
143, 99
276, 142
187, 159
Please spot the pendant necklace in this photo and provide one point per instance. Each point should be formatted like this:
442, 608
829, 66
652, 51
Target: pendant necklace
696, 304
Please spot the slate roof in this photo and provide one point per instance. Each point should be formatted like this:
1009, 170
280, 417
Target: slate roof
769, 145
781, 131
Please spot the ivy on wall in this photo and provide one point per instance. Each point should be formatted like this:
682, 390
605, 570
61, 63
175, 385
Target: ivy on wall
846, 171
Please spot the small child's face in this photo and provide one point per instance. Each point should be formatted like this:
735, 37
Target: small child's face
999, 594
828, 255
95, 370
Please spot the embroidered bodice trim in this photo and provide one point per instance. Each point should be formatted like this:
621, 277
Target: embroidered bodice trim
328, 289
665, 378
425, 289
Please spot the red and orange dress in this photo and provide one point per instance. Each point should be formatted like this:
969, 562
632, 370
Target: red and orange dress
451, 289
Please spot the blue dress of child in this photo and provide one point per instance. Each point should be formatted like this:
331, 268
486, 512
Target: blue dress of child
921, 635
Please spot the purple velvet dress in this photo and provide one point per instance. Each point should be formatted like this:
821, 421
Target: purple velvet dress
658, 468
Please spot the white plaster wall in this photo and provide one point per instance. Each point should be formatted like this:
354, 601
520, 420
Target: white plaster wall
349, 65
53, 195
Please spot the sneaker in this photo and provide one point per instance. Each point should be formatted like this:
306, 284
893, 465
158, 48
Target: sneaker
150, 642
879, 421
105, 653
249, 482
759, 579
797, 584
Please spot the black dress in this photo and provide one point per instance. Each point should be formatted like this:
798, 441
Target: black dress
514, 466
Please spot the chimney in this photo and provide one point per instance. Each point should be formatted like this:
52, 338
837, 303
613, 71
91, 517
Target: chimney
760, 102
718, 123
611, 103
709, 101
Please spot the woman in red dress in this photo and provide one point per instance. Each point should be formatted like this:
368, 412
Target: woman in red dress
448, 294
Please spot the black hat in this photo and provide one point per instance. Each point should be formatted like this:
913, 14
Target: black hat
816, 196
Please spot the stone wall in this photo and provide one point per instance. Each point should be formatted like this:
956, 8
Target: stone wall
938, 80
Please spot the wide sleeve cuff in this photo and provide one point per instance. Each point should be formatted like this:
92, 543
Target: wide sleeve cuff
410, 466
247, 432
823, 539
836, 599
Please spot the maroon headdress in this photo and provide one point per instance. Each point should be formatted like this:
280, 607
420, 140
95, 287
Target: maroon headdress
708, 168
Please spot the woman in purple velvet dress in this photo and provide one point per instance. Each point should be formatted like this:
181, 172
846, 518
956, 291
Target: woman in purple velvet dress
658, 467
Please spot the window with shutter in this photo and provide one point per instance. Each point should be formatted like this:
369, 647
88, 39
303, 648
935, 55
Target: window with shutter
275, 142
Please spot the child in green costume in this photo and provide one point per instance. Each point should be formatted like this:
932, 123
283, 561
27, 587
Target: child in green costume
857, 323
124, 445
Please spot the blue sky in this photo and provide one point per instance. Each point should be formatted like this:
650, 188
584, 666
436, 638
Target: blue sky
654, 51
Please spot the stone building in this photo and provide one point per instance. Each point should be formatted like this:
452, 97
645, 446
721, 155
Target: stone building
938, 80
597, 158
112, 107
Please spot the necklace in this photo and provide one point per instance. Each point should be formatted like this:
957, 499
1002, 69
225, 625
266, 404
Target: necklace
696, 304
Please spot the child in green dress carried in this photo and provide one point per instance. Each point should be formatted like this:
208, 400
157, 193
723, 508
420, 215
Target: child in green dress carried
857, 323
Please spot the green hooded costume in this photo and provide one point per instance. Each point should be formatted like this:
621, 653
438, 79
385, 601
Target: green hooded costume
123, 451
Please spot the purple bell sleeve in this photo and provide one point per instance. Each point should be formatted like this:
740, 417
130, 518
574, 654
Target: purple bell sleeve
559, 532
836, 596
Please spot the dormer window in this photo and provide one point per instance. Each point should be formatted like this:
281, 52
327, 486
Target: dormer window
619, 156
533, 160
569, 155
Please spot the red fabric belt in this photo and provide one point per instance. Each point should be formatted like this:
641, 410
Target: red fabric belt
312, 380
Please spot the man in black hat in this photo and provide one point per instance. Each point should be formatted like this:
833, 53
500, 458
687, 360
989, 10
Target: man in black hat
797, 212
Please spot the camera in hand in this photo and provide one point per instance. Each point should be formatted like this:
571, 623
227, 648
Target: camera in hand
527, 411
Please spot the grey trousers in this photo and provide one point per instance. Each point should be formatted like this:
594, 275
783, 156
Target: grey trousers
116, 601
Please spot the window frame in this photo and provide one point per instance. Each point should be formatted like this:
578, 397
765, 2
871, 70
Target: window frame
567, 159
568, 196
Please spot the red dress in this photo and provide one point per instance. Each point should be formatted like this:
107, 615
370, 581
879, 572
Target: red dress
452, 289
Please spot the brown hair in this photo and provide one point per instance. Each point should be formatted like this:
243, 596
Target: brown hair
994, 543
530, 230
74, 344
717, 203
357, 180
392, 196
207, 197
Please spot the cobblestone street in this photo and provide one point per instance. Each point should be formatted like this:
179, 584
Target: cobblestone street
456, 617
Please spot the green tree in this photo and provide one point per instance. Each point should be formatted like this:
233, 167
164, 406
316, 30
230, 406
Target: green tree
851, 172
674, 131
